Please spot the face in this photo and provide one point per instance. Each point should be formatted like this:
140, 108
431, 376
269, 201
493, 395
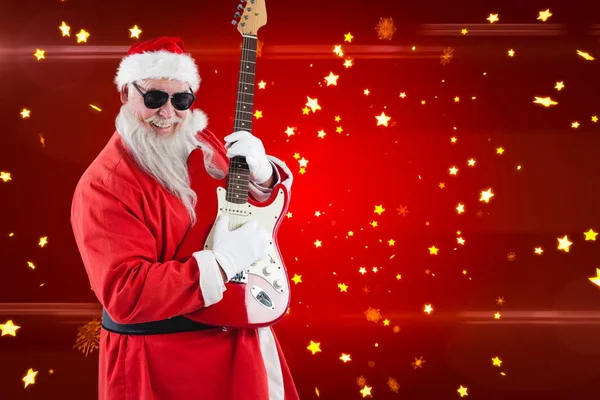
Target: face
163, 121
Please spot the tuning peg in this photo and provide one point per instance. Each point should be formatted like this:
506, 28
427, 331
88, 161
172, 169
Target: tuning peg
237, 14
240, 7
234, 22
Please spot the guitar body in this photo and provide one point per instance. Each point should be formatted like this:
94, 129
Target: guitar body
260, 296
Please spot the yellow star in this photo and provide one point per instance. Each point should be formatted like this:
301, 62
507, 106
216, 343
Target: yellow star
545, 101
499, 150
464, 31
460, 208
433, 250
317, 243
262, 84
471, 162
586, 56
453, 139
321, 134
362, 270
402, 95
544, 15
497, 315
313, 104
314, 347
345, 357
511, 53
379, 209
575, 124
302, 162
5, 176
442, 185
538, 250
258, 114
386, 322
453, 170
135, 32
594, 118
348, 37
9, 328
493, 18
496, 361
559, 86
39, 54
337, 50
82, 36
43, 241
391, 242
462, 391
348, 63
564, 243
290, 131
332, 79
343, 287
590, 235
297, 279
339, 129
65, 29
366, 92
382, 119
25, 113
338, 118
596, 279
30, 377
428, 309
486, 196
366, 391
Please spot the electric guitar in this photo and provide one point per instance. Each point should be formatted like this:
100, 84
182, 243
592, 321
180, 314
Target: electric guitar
260, 295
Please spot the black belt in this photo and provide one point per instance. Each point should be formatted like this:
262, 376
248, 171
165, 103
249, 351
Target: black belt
170, 325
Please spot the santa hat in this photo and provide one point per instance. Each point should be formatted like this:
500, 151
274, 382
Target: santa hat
160, 58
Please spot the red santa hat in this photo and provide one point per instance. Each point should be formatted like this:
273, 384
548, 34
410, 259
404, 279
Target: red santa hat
160, 58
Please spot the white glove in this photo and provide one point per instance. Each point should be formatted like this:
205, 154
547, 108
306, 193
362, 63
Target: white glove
236, 250
243, 143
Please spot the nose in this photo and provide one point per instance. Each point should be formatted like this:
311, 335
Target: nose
167, 110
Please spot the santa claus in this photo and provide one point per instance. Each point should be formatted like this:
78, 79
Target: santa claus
130, 211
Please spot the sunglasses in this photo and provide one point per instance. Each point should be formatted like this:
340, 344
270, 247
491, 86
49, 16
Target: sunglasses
154, 99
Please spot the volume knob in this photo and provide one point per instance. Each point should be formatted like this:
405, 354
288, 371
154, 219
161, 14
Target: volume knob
278, 284
268, 270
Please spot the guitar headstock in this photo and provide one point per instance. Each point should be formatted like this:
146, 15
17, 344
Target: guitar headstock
253, 17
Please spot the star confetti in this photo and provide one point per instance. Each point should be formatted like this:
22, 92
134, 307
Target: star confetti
314, 347
39, 54
544, 15
65, 29
493, 18
82, 36
462, 391
29, 378
585, 56
9, 328
135, 32
596, 279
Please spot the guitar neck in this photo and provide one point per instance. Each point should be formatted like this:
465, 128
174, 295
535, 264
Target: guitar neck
238, 178
244, 106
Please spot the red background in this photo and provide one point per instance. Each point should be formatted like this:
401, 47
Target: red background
348, 174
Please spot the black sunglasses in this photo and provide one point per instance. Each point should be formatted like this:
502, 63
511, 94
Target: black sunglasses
154, 99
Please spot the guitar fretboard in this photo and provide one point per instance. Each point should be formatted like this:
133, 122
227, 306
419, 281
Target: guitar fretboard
239, 173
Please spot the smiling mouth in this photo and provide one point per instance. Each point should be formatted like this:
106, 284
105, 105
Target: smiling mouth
161, 126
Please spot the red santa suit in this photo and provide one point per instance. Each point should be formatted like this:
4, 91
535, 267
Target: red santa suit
127, 228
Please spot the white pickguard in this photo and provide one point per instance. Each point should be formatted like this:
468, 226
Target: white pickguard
270, 269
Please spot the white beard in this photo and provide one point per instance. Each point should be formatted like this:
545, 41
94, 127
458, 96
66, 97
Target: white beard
165, 158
